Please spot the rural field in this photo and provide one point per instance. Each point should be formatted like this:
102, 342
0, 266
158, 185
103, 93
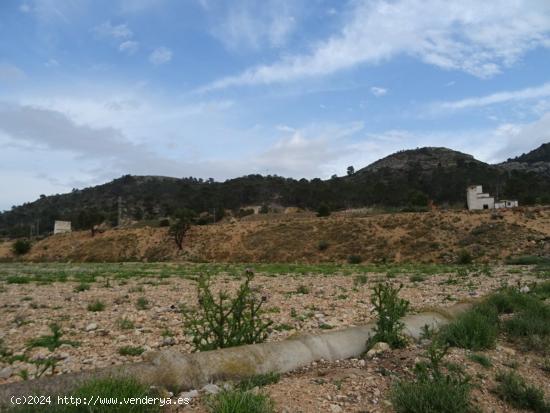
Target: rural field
115, 313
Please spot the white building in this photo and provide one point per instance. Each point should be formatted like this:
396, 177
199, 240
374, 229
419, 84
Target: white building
506, 203
477, 200
61, 227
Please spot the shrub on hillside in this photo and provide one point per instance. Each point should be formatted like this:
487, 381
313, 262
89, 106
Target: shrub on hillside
323, 210
21, 247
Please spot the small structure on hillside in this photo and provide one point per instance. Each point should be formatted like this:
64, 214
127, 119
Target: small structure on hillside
478, 200
62, 227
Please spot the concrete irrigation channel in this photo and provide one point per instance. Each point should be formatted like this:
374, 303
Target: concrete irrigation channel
177, 372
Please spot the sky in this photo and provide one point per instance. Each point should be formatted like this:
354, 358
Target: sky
94, 89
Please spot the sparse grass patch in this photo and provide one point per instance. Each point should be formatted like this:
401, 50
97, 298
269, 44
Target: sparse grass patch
259, 380
17, 279
302, 289
81, 287
96, 306
481, 359
513, 389
239, 401
130, 350
360, 280
125, 324
52, 341
142, 303
417, 278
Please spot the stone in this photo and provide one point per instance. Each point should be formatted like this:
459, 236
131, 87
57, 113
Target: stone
91, 327
334, 408
6, 373
525, 289
168, 341
378, 348
211, 388
191, 394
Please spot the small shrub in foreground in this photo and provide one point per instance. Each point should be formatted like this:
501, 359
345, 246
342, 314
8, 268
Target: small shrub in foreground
513, 389
476, 329
464, 258
226, 321
433, 390
389, 308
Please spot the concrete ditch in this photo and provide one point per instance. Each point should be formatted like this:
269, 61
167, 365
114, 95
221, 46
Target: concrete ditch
178, 372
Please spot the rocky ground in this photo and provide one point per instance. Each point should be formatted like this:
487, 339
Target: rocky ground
145, 312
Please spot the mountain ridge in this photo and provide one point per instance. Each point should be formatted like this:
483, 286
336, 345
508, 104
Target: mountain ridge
406, 179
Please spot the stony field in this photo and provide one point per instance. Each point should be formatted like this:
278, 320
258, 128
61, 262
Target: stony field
115, 313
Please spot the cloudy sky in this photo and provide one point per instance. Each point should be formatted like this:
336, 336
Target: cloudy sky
93, 89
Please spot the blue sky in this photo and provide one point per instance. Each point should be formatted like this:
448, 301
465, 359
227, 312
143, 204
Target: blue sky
93, 89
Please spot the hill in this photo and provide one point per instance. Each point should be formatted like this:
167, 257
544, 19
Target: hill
537, 161
271, 238
406, 180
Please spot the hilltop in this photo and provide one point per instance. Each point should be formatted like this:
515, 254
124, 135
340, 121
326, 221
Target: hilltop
405, 180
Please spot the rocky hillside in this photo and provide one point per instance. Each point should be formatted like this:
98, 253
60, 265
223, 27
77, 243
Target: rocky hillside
536, 161
404, 237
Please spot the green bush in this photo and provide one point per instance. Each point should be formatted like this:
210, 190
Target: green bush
476, 329
355, 259
238, 401
322, 245
323, 210
464, 257
433, 390
513, 389
21, 247
389, 308
225, 321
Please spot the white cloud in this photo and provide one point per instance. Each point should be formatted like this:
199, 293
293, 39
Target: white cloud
129, 47
25, 8
378, 91
120, 31
476, 37
500, 97
160, 56
245, 24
